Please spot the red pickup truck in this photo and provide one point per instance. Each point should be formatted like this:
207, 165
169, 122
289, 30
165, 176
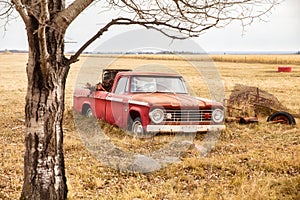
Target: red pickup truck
146, 103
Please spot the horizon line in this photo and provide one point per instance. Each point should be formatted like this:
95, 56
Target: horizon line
229, 52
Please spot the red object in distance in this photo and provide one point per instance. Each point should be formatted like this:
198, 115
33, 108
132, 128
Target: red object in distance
284, 69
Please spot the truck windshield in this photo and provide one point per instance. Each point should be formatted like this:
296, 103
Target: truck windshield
157, 84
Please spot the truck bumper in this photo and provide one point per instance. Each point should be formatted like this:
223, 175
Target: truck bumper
184, 128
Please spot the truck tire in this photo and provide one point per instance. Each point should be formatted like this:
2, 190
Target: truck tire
282, 117
87, 111
136, 127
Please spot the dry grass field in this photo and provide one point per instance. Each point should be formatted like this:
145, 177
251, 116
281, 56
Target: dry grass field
267, 59
256, 161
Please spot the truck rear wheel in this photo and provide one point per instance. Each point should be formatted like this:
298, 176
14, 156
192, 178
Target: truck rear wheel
87, 111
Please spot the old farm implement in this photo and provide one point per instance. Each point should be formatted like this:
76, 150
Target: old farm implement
246, 104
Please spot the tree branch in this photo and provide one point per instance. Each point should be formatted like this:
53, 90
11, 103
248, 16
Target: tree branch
22, 11
43, 20
64, 18
127, 21
197, 14
74, 58
6, 9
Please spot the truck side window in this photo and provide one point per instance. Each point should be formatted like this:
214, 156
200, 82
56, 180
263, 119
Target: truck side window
122, 86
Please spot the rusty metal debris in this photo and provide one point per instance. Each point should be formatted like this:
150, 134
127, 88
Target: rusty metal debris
246, 103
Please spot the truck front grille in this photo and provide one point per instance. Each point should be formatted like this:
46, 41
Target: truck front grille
187, 115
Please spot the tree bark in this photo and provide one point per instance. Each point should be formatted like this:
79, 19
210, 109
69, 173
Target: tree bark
44, 170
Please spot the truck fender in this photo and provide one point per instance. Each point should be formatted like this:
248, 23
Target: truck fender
143, 113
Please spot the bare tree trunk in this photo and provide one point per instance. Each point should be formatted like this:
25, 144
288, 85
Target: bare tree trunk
44, 170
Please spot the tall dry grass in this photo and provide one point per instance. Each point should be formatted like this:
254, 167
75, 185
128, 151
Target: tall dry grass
257, 161
265, 59
284, 59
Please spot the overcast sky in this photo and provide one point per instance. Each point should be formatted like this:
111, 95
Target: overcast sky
280, 33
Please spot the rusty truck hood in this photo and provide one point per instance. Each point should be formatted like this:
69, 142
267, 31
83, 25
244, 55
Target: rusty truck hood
171, 100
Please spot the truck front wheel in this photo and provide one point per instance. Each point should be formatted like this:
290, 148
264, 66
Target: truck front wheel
137, 127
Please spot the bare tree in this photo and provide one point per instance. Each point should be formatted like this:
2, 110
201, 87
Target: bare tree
46, 22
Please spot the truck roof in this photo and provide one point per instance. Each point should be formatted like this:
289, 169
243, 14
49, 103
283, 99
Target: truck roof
136, 73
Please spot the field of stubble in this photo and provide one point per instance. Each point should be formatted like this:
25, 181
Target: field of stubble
257, 161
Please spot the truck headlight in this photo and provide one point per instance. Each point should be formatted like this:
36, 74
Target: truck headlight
157, 115
218, 115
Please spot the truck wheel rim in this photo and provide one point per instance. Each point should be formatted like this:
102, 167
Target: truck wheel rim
89, 112
137, 128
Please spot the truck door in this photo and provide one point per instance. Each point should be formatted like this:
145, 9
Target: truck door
100, 104
117, 104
